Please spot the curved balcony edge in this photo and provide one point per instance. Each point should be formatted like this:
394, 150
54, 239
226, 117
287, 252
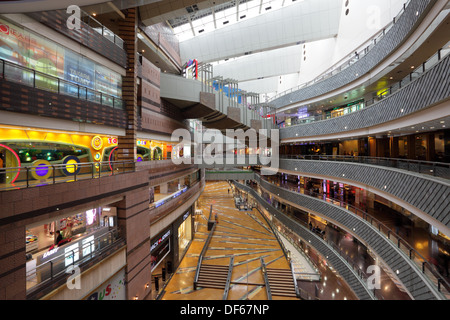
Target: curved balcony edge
412, 104
358, 286
421, 288
425, 196
408, 22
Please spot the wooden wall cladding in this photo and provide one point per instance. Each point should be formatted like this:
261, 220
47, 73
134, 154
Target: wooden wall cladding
155, 122
87, 36
149, 96
163, 37
15, 97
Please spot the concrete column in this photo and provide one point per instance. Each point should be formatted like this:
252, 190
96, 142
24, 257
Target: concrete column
164, 188
128, 32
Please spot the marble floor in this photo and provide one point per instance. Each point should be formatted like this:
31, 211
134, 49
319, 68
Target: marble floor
242, 234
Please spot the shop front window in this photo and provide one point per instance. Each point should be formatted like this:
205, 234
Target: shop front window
53, 246
184, 234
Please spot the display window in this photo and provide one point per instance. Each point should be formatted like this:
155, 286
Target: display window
65, 241
40, 149
160, 249
184, 234
30, 50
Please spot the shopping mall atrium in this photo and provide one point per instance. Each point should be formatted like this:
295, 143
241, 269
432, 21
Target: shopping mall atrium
199, 150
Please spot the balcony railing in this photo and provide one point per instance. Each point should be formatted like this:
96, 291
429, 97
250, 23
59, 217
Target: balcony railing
101, 29
27, 177
380, 94
29, 77
423, 264
436, 169
57, 266
360, 52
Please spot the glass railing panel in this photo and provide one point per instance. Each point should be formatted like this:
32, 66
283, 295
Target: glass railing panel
415, 74
19, 75
70, 254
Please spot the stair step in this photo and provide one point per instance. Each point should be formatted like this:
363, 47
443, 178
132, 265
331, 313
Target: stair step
208, 285
287, 279
213, 266
283, 284
280, 271
292, 295
217, 274
212, 278
281, 290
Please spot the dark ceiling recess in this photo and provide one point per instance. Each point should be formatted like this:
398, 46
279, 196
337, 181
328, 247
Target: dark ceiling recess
192, 8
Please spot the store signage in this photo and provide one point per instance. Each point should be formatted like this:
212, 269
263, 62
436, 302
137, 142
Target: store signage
186, 215
71, 254
112, 140
158, 242
141, 143
97, 143
113, 289
50, 252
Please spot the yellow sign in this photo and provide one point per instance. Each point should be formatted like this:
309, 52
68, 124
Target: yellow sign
97, 143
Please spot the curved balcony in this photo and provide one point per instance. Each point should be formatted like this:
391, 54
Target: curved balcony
426, 197
413, 15
422, 100
417, 275
354, 278
162, 208
377, 95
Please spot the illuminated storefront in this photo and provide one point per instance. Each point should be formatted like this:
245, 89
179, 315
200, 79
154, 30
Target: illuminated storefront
65, 241
41, 149
184, 234
24, 48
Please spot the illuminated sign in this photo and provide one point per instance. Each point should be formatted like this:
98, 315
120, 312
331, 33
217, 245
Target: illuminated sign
112, 140
97, 143
71, 254
141, 143
160, 240
50, 252
186, 215
87, 245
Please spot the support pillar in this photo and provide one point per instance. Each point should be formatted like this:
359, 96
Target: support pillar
127, 144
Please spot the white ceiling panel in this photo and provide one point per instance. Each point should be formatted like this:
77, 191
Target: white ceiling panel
304, 21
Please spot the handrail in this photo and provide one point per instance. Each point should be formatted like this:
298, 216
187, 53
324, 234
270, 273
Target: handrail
297, 291
200, 258
57, 85
305, 256
266, 279
95, 246
436, 169
105, 32
412, 253
93, 170
387, 91
303, 224
228, 282
338, 67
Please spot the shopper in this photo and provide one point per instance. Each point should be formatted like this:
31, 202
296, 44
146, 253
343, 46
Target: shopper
59, 237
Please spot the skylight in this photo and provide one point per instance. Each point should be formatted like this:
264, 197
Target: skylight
208, 22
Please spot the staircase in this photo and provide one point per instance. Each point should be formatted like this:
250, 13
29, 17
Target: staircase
281, 282
213, 276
